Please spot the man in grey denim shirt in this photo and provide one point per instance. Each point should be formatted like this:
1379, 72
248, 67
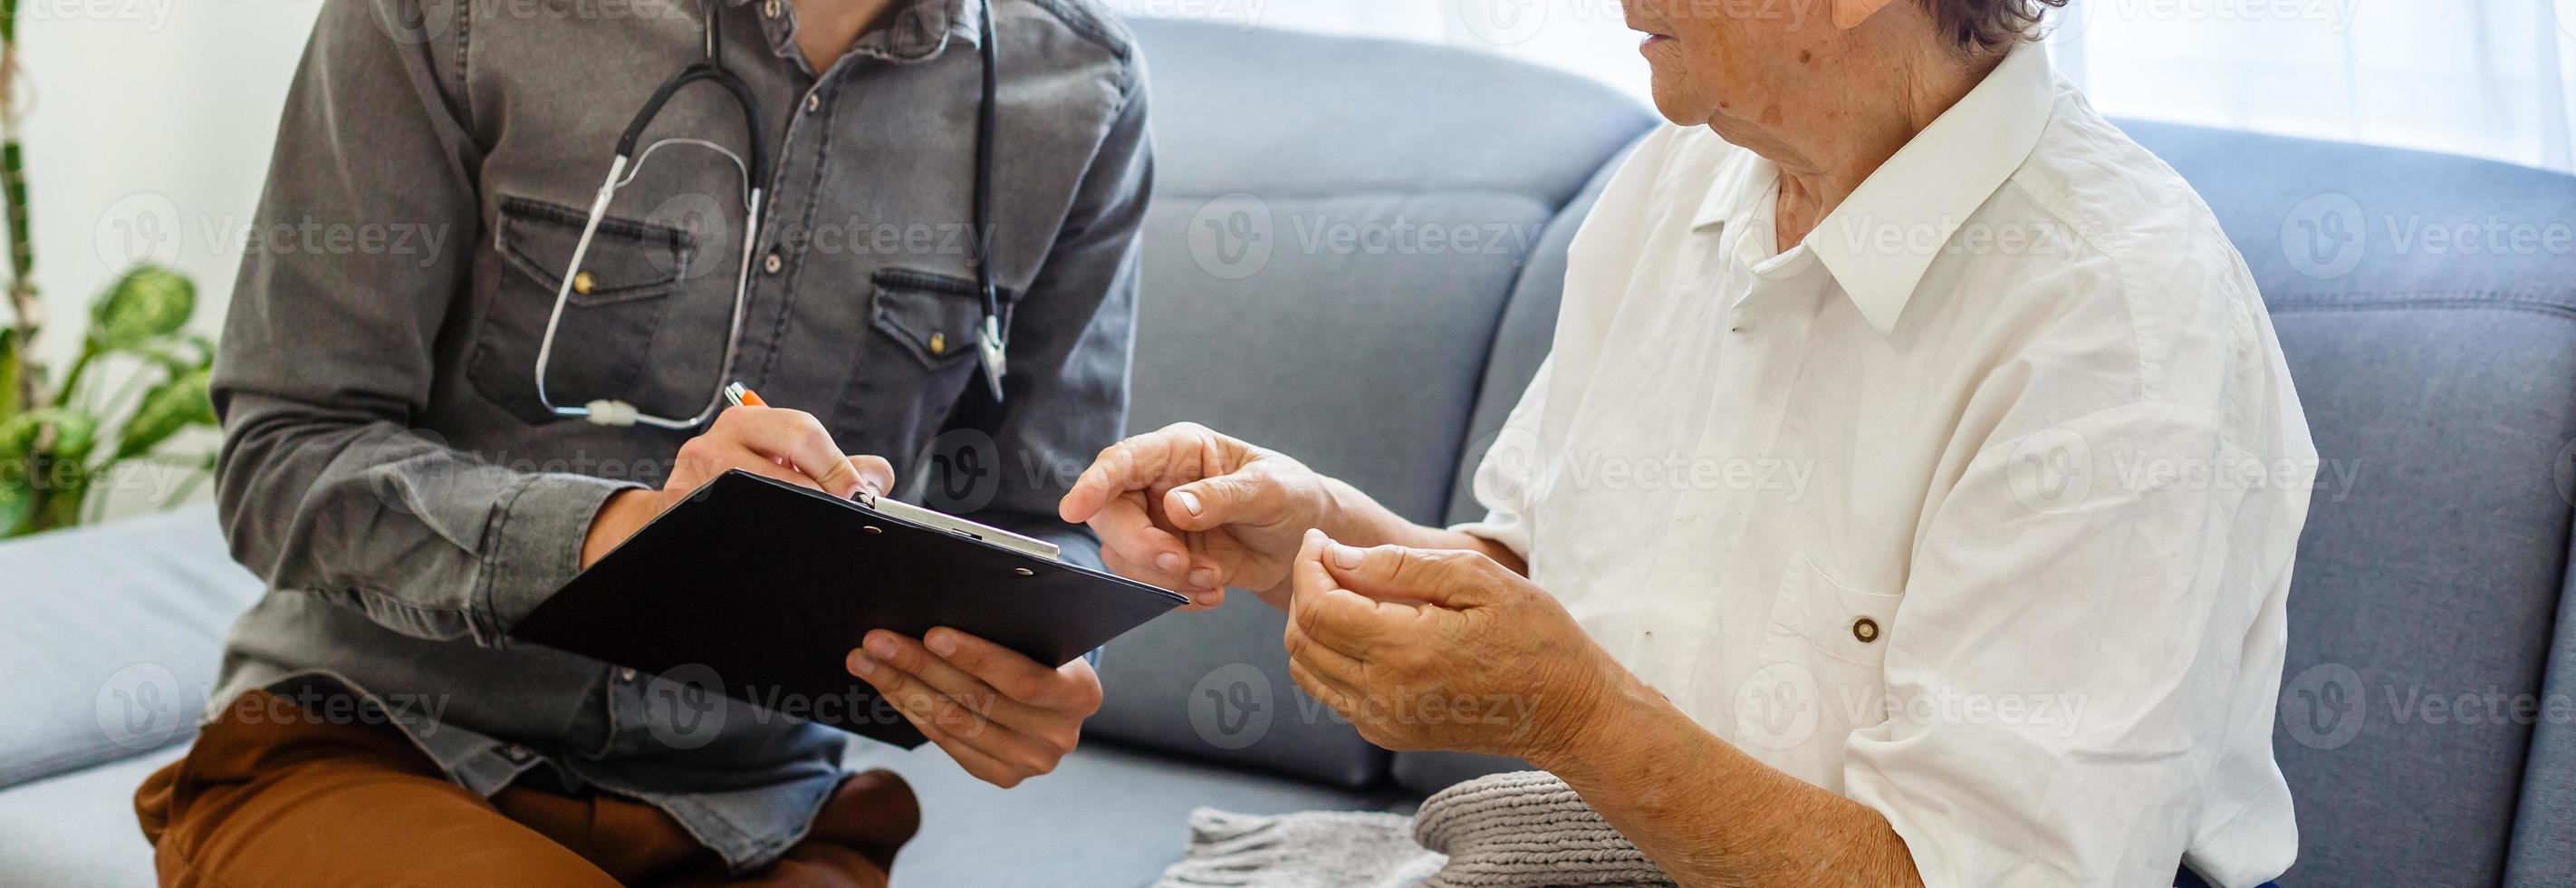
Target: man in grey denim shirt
388, 466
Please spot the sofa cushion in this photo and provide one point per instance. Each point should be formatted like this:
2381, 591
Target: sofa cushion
2544, 834
1336, 225
2438, 371
78, 828
110, 636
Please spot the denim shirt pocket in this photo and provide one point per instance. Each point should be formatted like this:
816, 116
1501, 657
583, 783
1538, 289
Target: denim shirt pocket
609, 320
922, 357
930, 316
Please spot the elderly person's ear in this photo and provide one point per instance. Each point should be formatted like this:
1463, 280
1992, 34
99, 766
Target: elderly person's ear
1848, 14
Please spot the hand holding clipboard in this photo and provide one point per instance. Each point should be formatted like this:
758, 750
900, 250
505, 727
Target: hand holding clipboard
729, 583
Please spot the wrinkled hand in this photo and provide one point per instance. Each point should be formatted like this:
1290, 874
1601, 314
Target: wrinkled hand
789, 445
1004, 717
1194, 511
1441, 649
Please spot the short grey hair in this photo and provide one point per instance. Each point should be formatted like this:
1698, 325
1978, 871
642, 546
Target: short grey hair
1988, 26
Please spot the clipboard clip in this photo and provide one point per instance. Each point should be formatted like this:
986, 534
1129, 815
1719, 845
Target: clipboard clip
943, 521
739, 395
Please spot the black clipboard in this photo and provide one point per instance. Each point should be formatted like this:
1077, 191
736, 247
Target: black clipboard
768, 586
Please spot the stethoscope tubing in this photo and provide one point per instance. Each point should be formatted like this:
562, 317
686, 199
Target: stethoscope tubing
757, 173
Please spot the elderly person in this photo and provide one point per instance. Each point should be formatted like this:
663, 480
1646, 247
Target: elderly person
2023, 625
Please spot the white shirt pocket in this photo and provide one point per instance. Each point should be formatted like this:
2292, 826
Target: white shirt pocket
1820, 673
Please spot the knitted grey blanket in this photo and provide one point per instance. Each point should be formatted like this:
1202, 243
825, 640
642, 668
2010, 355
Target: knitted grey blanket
1517, 830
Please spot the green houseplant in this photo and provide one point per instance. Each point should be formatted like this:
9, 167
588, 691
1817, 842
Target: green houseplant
64, 446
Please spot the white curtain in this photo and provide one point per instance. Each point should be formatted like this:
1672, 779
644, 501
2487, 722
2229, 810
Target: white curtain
2491, 78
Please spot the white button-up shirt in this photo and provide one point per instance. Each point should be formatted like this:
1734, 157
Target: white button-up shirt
1976, 506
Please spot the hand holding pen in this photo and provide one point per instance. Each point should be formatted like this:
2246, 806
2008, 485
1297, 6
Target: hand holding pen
786, 445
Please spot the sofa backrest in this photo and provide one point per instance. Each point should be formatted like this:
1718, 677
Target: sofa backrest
1336, 230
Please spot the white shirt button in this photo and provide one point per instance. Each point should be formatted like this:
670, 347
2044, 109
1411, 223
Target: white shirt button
770, 8
773, 263
813, 103
626, 674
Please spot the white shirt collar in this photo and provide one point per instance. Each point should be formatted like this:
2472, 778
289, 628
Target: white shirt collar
1872, 243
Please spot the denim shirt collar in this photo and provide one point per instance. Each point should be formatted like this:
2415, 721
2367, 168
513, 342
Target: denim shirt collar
913, 30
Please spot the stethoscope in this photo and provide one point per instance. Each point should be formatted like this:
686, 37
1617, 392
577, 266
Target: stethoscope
623, 168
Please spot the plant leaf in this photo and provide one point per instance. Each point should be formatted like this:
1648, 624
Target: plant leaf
170, 407
147, 303
8, 377
62, 467
18, 433
17, 469
75, 435
17, 496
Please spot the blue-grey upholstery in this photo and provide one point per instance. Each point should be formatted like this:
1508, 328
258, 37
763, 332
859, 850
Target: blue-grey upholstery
2442, 385
104, 636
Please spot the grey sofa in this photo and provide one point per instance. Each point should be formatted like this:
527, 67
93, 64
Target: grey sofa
1293, 297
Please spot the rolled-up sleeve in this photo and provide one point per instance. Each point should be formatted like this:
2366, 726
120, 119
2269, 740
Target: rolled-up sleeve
1071, 338
323, 482
1508, 474
2070, 662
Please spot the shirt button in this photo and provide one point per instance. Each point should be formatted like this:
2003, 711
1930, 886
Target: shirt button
583, 283
773, 263
627, 674
769, 9
813, 103
1865, 629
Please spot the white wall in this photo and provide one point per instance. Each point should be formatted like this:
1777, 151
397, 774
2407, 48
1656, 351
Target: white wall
147, 129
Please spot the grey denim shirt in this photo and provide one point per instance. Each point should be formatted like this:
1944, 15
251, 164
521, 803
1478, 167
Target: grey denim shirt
388, 468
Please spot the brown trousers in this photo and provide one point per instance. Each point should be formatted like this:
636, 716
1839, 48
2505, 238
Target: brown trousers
296, 801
